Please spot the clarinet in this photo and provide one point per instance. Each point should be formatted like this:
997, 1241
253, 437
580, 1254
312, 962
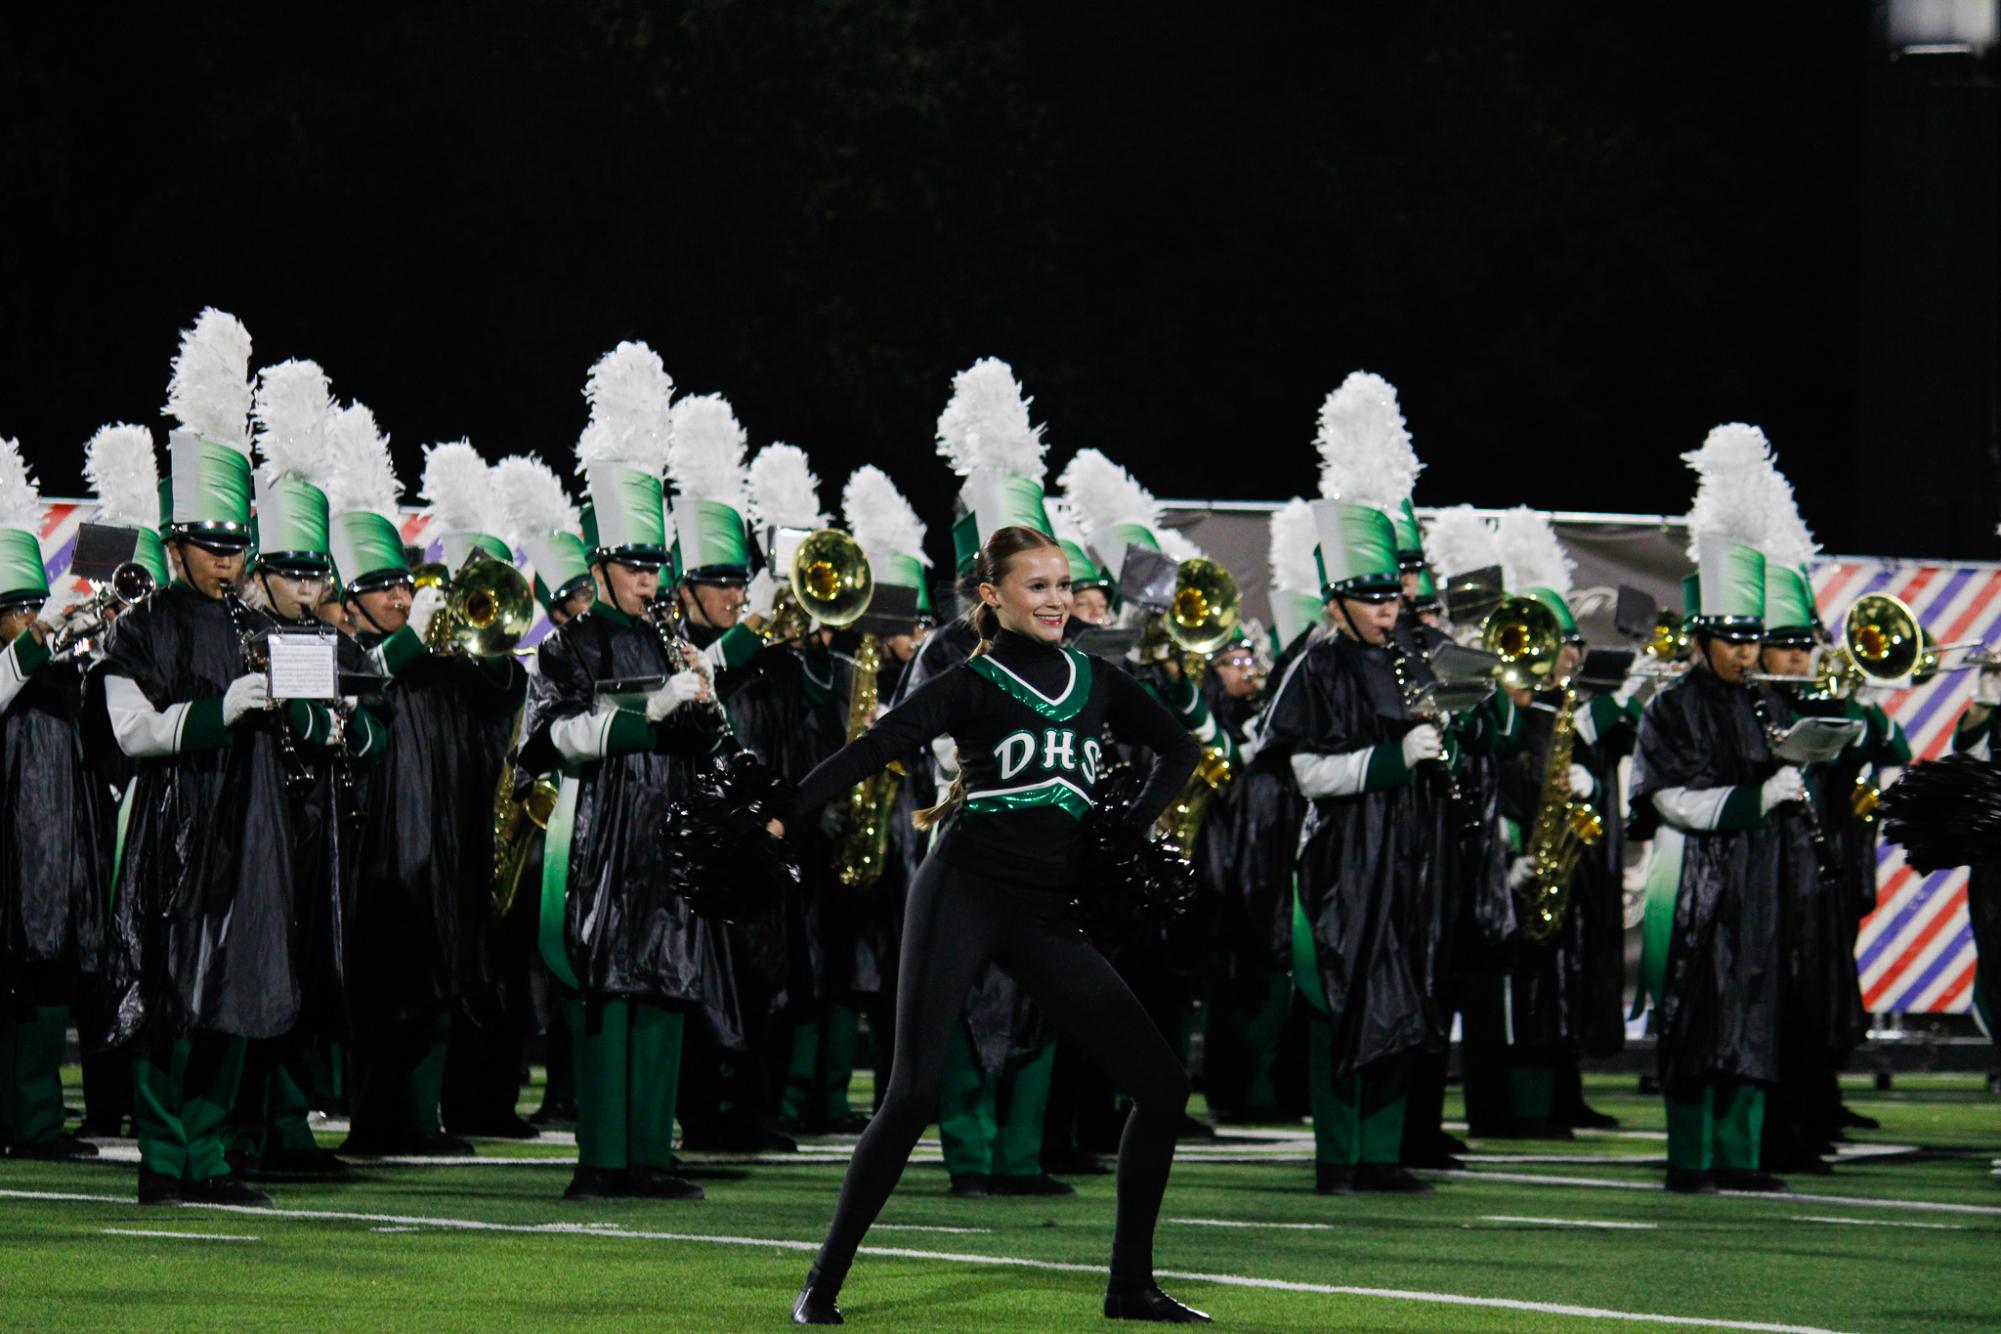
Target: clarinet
1415, 705
291, 767
664, 620
1823, 865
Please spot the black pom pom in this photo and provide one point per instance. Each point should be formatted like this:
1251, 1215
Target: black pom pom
722, 859
1945, 812
1128, 885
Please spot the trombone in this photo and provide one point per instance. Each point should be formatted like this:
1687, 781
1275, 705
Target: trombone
827, 580
129, 584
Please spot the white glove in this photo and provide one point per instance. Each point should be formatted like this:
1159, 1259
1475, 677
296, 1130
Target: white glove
249, 693
1987, 687
424, 605
1627, 689
53, 614
1880, 696
1520, 872
1582, 784
1421, 743
1784, 786
761, 598
680, 689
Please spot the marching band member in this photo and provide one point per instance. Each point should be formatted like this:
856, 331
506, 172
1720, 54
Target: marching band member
993, 890
729, 1098
1565, 991
203, 955
1729, 845
289, 572
628, 950
57, 819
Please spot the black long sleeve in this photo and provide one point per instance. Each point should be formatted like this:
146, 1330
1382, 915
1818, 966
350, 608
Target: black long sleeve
1137, 717
910, 726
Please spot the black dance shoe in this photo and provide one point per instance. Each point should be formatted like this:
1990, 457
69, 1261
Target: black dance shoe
1687, 1181
1333, 1179
1150, 1303
657, 1183
1389, 1179
814, 1305
158, 1188
1764, 1183
1039, 1184
221, 1190
595, 1183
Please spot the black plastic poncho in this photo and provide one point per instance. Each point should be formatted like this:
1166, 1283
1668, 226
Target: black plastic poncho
624, 932
1724, 963
204, 923
1372, 865
422, 920
56, 825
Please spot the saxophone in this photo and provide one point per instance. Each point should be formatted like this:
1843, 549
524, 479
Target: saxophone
1181, 822
872, 803
1564, 827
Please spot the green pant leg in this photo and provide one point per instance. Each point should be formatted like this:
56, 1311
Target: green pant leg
966, 1114
249, 1116
795, 1100
288, 1110
427, 1079
1337, 1127
1531, 1089
209, 1083
156, 1108
36, 1085
653, 1079
1261, 1034
1691, 1132
1739, 1117
598, 1034
1022, 1098
840, 1030
1382, 1088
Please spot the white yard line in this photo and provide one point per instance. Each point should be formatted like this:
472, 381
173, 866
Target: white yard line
998, 1261
1793, 1197
1569, 1222
1234, 1222
923, 1227
177, 1236
1878, 1222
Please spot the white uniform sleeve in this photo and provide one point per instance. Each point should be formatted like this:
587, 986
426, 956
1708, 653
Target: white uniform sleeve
581, 738
143, 731
11, 676
1331, 775
1694, 808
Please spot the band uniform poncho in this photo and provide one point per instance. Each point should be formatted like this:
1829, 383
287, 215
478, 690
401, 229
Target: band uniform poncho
1372, 865
1723, 960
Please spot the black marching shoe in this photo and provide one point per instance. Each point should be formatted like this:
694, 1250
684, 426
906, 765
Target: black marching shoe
814, 1305
969, 1186
1389, 1179
1040, 1184
854, 1123
554, 1112
221, 1190
595, 1183
1333, 1179
506, 1125
1150, 1303
1761, 1182
158, 1188
657, 1183
1687, 1181
1855, 1120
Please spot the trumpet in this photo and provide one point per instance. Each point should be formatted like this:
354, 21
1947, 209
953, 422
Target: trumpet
129, 583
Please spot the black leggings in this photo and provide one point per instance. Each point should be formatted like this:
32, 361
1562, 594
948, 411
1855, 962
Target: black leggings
954, 922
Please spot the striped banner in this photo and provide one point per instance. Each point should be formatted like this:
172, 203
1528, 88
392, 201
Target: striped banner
1916, 950
63, 517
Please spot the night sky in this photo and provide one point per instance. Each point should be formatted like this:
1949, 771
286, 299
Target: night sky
1575, 236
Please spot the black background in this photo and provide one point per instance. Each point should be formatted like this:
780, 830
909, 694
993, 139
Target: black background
1574, 235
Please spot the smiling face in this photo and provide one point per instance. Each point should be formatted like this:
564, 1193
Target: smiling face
1033, 597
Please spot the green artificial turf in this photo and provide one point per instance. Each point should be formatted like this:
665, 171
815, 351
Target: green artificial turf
1743, 1259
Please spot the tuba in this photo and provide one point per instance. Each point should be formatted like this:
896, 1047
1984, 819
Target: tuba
488, 608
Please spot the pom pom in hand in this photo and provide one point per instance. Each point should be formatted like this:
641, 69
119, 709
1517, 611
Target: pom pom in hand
1128, 884
1945, 812
722, 859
